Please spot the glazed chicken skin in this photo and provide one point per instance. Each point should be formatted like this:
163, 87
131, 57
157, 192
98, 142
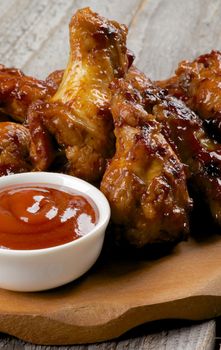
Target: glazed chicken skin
78, 116
184, 131
14, 149
145, 182
18, 91
54, 79
198, 84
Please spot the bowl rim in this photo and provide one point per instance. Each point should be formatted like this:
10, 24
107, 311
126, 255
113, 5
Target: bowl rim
100, 202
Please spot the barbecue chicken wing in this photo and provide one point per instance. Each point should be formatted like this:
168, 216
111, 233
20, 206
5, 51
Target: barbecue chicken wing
183, 129
145, 181
18, 91
78, 116
14, 148
198, 83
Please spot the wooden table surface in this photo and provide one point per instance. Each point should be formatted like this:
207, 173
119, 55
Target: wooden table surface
34, 37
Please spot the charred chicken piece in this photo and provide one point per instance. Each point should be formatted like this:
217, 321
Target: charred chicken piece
184, 130
198, 84
145, 181
78, 116
14, 149
18, 91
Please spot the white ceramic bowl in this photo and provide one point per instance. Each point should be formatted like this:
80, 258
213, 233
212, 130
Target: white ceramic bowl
40, 269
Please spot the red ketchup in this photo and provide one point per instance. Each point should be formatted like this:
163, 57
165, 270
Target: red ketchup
36, 217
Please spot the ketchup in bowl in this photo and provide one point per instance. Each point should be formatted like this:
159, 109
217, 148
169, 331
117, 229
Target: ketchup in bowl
40, 216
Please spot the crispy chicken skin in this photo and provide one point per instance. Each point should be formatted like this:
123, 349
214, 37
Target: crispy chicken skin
18, 91
78, 115
145, 182
14, 149
184, 130
198, 84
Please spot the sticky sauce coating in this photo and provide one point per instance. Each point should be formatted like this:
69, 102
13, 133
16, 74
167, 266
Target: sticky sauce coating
35, 217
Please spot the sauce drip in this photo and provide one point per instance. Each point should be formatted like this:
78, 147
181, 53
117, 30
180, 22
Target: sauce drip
35, 217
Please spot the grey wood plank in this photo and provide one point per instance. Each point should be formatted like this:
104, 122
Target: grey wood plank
161, 34
198, 337
36, 32
166, 32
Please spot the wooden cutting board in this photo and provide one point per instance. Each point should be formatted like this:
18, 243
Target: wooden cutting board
118, 294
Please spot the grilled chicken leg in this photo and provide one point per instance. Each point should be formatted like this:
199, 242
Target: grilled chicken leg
18, 91
14, 149
78, 115
145, 181
184, 131
198, 84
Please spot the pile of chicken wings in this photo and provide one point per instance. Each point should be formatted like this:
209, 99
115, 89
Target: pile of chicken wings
104, 121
